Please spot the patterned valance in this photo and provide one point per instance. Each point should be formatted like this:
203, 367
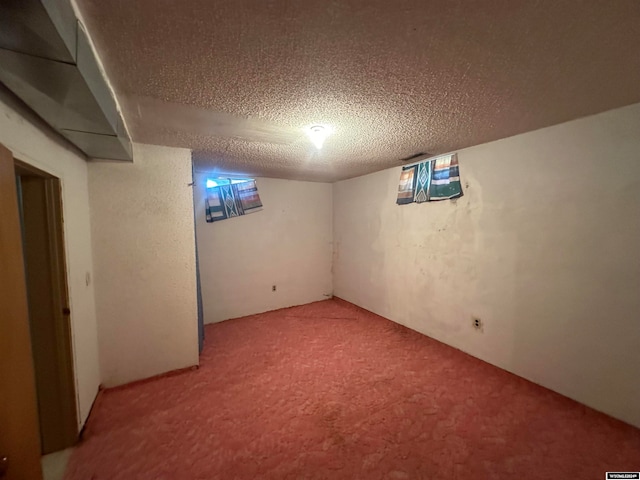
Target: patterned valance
437, 179
232, 200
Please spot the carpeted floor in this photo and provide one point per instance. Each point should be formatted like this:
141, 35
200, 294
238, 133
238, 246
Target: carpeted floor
329, 391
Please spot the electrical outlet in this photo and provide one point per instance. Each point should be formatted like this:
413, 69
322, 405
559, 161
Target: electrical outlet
273, 288
477, 324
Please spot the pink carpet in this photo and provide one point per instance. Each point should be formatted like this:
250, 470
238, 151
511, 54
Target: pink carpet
330, 391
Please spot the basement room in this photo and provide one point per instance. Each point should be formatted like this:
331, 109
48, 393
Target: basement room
273, 239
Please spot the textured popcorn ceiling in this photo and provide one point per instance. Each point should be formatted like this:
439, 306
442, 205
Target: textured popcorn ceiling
236, 81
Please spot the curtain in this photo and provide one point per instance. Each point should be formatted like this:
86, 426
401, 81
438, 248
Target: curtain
437, 179
232, 200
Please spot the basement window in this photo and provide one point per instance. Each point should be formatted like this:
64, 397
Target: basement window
435, 179
216, 182
231, 197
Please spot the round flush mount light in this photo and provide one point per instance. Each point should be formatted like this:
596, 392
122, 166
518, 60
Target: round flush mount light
318, 134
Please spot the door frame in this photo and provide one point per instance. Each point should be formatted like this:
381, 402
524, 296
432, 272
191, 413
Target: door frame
56, 393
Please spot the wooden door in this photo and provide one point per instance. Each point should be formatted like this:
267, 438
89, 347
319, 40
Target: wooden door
19, 436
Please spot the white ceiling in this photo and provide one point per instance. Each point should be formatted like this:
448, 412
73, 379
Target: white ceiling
236, 81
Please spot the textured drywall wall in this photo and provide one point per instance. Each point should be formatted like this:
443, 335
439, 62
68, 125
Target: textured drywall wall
237, 81
288, 244
144, 257
35, 143
543, 247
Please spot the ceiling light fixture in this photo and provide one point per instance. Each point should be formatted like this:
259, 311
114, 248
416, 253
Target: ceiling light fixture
318, 134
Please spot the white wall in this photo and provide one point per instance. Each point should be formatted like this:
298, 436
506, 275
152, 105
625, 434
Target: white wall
544, 247
33, 142
144, 256
288, 244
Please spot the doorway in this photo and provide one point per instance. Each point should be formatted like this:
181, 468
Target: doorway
40, 208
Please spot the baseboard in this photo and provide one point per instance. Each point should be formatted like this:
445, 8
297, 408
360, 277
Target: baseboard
142, 381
